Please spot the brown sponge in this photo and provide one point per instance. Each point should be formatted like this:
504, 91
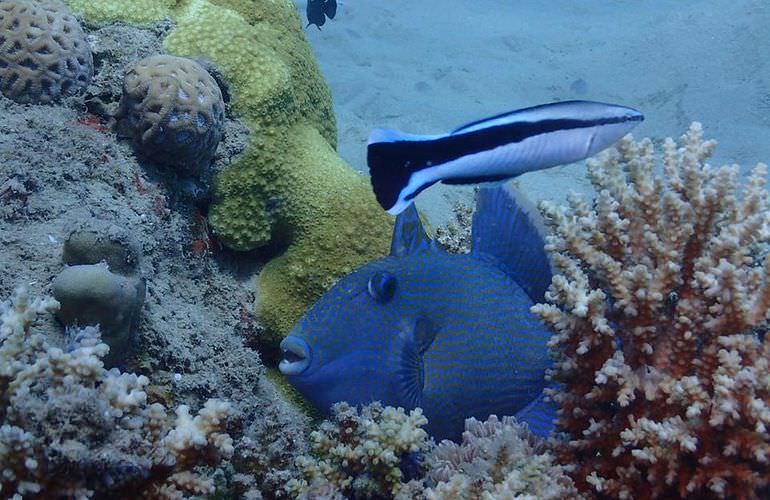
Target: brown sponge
43, 52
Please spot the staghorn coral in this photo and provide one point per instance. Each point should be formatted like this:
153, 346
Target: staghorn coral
497, 459
174, 111
43, 52
363, 455
73, 429
664, 287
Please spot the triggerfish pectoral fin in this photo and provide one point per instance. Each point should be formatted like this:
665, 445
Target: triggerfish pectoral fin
507, 226
408, 363
539, 416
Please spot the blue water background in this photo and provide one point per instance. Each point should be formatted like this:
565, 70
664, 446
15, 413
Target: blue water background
427, 66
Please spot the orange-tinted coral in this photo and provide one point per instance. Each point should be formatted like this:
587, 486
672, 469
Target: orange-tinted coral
658, 311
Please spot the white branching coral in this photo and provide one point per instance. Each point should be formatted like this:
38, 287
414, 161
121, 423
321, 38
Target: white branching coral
73, 429
382, 452
659, 313
497, 459
363, 455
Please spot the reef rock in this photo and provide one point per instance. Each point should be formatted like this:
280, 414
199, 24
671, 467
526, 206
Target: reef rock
93, 295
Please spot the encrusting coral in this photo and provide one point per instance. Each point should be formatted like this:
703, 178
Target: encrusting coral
659, 310
73, 429
43, 52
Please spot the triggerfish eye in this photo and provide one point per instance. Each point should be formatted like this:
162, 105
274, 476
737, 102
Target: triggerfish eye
382, 286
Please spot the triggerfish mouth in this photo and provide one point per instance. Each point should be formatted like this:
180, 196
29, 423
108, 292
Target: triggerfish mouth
449, 333
493, 149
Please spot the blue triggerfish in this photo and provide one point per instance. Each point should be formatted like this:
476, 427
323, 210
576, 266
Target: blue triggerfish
493, 149
450, 333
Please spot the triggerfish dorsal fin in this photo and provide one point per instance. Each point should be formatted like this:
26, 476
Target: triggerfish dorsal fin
507, 226
409, 235
539, 415
411, 344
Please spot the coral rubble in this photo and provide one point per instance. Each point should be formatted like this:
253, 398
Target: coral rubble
659, 312
455, 235
73, 429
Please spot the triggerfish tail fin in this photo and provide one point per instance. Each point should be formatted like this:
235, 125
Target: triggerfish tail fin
408, 234
507, 226
539, 416
393, 159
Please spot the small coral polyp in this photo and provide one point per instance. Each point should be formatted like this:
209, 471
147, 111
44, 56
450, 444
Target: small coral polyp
173, 110
664, 286
44, 55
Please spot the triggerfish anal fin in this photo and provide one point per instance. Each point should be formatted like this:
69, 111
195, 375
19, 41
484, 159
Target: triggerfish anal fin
409, 235
539, 416
507, 226
315, 13
330, 8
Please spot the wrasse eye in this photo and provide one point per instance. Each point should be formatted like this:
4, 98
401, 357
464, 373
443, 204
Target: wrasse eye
382, 286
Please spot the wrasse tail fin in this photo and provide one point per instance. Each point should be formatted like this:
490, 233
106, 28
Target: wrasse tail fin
392, 162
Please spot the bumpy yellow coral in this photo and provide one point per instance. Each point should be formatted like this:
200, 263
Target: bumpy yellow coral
289, 188
130, 11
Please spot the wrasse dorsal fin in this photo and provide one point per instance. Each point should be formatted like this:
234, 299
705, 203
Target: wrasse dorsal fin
410, 368
409, 235
507, 226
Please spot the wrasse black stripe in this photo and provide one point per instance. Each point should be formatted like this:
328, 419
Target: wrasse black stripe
416, 155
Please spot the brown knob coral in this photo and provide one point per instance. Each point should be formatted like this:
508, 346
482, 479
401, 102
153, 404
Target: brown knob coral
44, 55
173, 110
